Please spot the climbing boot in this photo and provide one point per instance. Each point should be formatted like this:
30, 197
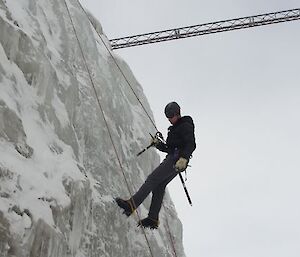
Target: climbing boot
126, 205
149, 223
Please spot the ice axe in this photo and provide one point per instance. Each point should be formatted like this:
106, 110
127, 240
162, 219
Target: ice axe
185, 189
158, 135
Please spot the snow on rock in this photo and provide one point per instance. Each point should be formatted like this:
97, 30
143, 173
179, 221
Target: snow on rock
58, 167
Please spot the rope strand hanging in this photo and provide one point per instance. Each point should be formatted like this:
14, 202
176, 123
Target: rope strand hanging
106, 123
121, 71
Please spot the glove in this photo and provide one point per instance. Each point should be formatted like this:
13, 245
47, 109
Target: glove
181, 164
155, 141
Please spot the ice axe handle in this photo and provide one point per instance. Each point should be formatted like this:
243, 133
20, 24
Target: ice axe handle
185, 190
144, 150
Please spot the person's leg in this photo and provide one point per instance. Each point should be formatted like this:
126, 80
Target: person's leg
157, 197
164, 171
156, 201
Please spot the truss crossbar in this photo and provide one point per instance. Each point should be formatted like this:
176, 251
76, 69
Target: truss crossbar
207, 28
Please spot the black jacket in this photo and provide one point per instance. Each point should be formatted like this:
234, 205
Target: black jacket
180, 136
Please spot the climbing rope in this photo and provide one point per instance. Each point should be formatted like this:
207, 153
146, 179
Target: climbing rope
127, 81
121, 71
106, 123
170, 235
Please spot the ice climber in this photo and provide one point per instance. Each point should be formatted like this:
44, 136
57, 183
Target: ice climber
179, 147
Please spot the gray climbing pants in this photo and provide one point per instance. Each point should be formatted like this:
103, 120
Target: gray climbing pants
156, 183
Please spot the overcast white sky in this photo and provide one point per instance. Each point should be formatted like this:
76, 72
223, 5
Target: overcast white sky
242, 89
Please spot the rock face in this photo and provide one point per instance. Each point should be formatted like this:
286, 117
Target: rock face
69, 134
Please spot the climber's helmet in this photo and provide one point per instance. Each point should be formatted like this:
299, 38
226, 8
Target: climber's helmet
172, 109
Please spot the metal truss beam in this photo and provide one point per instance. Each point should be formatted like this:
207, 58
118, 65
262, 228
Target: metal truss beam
206, 28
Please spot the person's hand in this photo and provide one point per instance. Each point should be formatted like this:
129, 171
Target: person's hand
181, 164
155, 141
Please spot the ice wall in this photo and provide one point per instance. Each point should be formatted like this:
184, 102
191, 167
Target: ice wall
58, 168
